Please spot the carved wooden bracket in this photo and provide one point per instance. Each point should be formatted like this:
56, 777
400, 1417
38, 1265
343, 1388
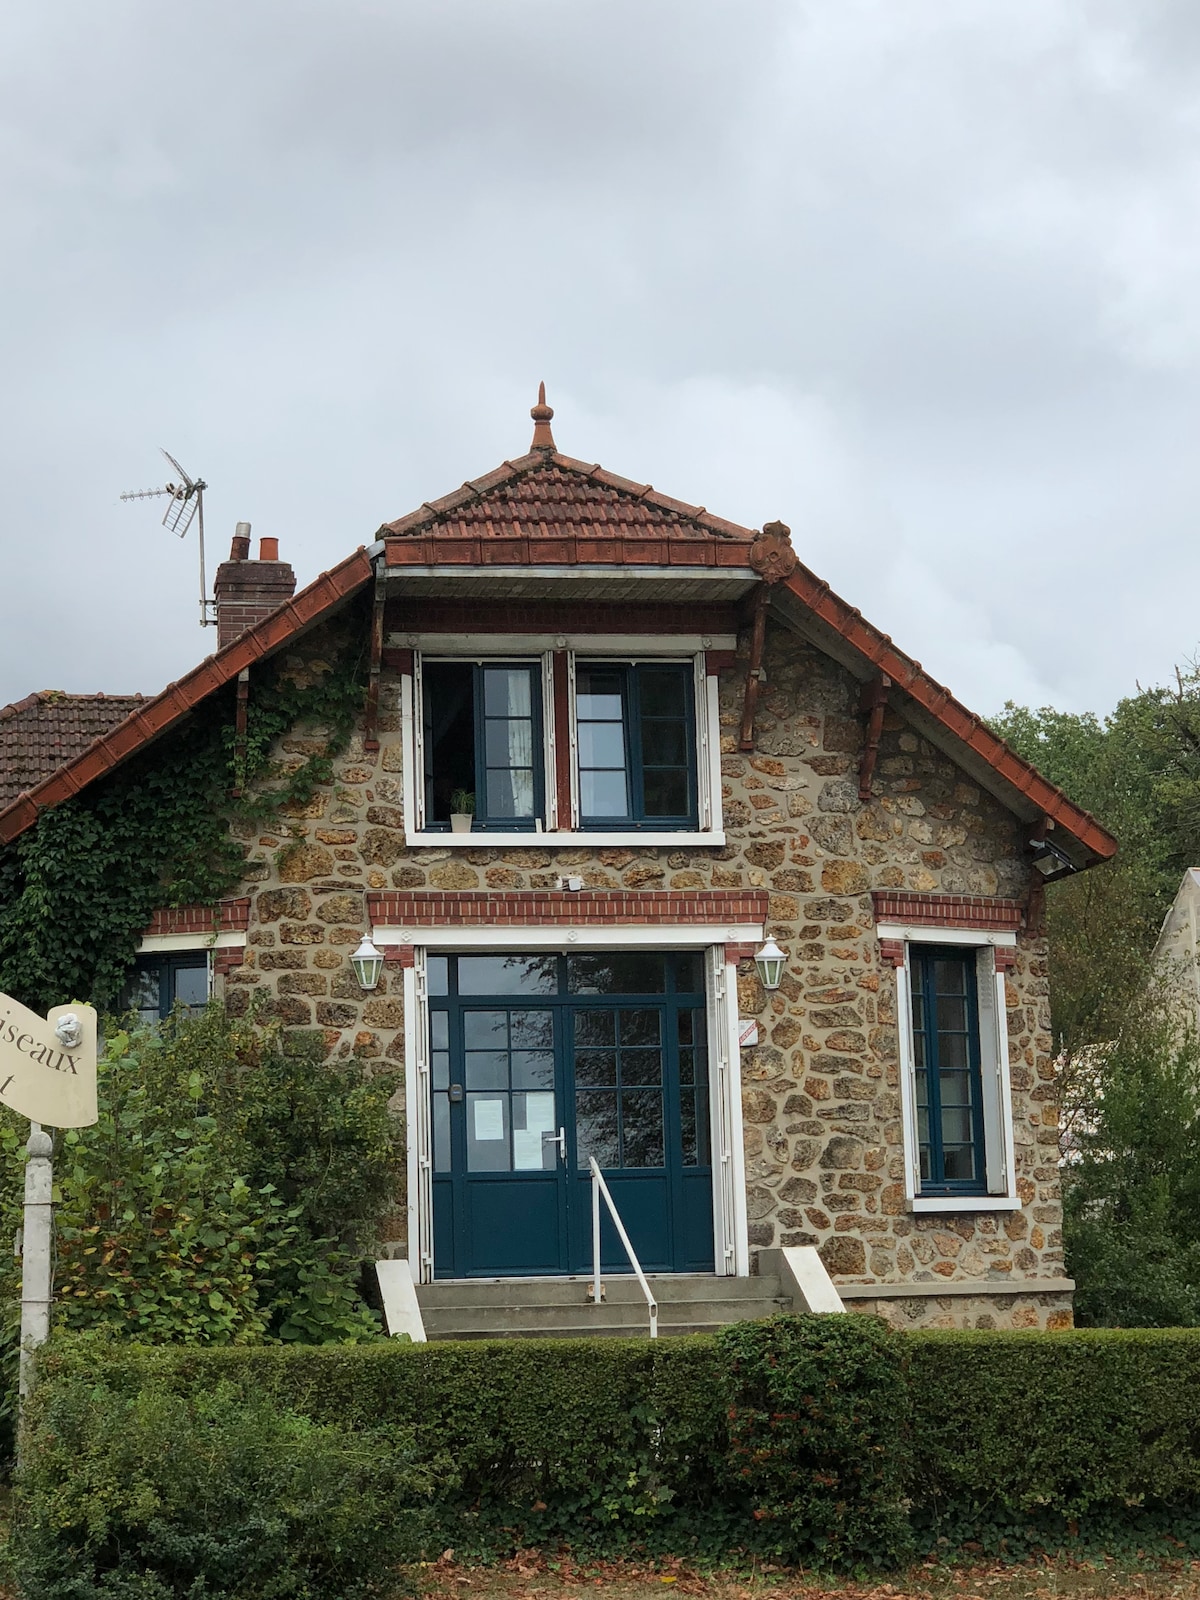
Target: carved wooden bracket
873, 703
371, 730
241, 721
754, 672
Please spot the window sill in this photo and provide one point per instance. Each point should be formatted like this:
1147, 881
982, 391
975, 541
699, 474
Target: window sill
964, 1202
487, 839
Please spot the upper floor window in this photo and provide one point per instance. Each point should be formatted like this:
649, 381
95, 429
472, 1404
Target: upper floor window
636, 728
483, 743
946, 1066
556, 743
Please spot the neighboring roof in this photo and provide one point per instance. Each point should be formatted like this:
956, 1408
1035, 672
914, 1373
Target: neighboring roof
49, 728
547, 509
154, 717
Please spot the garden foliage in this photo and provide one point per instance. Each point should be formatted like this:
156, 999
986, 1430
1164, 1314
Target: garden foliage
228, 1193
821, 1440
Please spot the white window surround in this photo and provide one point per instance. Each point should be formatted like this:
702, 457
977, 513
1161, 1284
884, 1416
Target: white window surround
730, 1231
994, 1070
708, 746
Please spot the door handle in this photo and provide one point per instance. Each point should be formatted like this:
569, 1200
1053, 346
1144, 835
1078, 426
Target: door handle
560, 1139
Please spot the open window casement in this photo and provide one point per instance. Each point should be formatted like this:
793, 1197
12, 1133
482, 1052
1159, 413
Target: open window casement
995, 1180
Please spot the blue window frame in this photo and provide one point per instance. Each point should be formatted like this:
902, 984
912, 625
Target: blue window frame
946, 1061
636, 728
483, 737
159, 983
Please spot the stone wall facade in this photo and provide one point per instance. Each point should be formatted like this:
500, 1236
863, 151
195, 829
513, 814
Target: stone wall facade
821, 1101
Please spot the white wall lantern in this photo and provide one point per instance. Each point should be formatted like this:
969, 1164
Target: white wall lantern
770, 961
367, 963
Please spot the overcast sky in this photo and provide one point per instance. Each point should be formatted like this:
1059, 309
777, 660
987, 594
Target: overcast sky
919, 277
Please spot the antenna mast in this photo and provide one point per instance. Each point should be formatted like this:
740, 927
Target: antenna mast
185, 503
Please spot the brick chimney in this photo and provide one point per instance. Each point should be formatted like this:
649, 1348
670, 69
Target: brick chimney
247, 591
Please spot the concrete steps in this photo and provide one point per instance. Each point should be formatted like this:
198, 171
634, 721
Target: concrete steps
561, 1308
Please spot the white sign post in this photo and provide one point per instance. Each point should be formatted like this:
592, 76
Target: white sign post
48, 1074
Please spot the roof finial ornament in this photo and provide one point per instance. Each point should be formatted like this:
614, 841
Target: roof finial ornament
541, 413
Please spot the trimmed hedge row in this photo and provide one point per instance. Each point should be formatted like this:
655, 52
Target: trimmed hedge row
825, 1440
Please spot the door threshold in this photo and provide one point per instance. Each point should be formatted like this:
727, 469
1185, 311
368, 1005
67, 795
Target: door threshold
567, 1277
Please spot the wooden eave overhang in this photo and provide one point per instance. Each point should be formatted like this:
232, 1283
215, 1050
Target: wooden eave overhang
157, 716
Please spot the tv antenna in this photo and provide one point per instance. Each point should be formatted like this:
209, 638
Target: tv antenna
185, 505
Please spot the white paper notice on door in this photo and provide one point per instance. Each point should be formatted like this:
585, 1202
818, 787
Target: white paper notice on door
527, 1150
488, 1119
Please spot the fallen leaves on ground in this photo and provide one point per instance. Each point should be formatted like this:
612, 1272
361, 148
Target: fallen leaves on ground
534, 1575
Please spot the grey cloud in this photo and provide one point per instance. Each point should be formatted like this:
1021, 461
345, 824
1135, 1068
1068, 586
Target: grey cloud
919, 279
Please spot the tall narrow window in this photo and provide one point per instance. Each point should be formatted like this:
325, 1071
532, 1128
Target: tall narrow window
946, 1063
483, 743
637, 745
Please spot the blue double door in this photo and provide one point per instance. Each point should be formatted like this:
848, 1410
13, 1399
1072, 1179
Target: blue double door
539, 1062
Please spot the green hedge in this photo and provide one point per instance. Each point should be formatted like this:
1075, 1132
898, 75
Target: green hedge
1033, 1436
825, 1440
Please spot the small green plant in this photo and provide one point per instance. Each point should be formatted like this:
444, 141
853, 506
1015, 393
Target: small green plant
462, 802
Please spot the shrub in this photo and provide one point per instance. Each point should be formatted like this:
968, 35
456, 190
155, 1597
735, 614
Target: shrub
1034, 1436
818, 1413
607, 1444
163, 1495
227, 1193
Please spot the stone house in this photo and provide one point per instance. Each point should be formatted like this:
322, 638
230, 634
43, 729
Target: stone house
671, 742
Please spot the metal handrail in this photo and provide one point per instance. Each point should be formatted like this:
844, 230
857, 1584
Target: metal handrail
599, 1187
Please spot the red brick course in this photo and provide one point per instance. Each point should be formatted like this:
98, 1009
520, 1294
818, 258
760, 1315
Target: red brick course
228, 916
947, 910
472, 908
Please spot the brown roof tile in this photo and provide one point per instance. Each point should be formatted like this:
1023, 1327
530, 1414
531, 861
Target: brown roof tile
588, 514
46, 730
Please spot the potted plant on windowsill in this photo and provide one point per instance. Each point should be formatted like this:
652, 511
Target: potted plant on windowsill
462, 811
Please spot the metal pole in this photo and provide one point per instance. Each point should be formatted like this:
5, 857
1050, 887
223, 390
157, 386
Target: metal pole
203, 582
36, 1251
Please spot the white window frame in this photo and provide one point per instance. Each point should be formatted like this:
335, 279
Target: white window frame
995, 1070
730, 1231
549, 828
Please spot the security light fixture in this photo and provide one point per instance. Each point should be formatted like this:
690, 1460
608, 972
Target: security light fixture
367, 963
769, 961
1050, 860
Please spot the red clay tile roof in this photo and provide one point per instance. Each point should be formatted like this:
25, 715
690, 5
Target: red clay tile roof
547, 509
153, 717
46, 730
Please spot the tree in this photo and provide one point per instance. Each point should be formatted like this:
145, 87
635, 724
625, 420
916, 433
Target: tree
1138, 771
1131, 1184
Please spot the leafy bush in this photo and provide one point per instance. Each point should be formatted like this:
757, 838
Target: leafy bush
227, 1193
818, 1410
159, 1495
